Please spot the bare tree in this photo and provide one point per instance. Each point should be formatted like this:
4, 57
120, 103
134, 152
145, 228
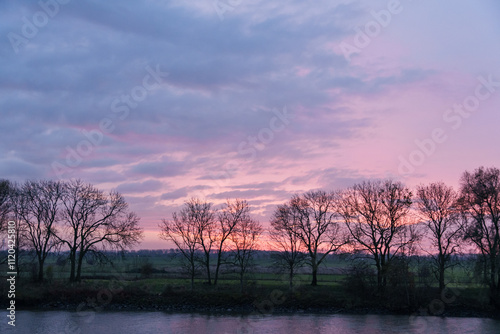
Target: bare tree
203, 216
16, 205
38, 205
480, 202
212, 230
245, 241
95, 221
437, 205
5, 210
377, 215
183, 232
315, 226
284, 237
229, 217
5, 203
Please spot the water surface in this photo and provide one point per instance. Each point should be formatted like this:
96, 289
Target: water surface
51, 322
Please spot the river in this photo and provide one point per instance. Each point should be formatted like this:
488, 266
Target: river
51, 322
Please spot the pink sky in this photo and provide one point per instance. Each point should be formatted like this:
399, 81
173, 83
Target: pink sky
194, 99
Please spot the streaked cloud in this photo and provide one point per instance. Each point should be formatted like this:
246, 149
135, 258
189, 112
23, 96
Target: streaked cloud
203, 124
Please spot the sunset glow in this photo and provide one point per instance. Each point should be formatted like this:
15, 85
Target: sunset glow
173, 100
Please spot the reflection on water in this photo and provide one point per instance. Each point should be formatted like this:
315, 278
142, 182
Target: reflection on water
157, 322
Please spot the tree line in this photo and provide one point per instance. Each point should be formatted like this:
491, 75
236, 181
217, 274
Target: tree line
199, 229
383, 220
50, 215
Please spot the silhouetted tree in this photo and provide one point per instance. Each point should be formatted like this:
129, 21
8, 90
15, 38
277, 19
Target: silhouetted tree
5, 203
377, 215
182, 230
437, 205
245, 241
232, 214
95, 221
38, 204
480, 202
16, 206
203, 216
5, 211
284, 235
314, 215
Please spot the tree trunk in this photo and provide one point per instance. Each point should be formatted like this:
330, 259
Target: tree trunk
493, 286
72, 260
379, 265
485, 269
291, 279
40, 269
498, 281
16, 260
441, 277
384, 264
17, 251
219, 255
192, 270
209, 279
379, 278
314, 274
79, 268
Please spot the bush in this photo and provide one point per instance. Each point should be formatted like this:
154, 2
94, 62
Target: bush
34, 272
147, 270
425, 275
400, 289
398, 274
49, 272
360, 279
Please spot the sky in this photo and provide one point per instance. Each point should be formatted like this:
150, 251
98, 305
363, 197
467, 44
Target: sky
259, 100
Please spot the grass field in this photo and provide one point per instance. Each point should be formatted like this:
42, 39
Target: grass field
332, 271
125, 284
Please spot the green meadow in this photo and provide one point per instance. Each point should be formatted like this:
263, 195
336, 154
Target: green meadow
156, 281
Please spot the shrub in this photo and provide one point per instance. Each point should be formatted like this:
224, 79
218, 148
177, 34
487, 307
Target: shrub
360, 279
49, 272
147, 270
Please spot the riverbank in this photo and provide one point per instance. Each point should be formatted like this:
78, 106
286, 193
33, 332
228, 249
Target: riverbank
98, 296
243, 310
